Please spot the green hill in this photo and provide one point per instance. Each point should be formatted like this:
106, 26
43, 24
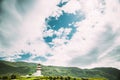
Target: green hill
16, 67
24, 68
113, 72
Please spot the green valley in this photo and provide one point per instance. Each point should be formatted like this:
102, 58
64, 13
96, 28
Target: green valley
20, 69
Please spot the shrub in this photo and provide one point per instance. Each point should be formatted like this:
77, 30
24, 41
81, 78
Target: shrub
30, 74
84, 78
61, 77
68, 77
5, 78
13, 76
74, 79
36, 79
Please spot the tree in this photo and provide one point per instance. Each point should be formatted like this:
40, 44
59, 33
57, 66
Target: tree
84, 79
61, 77
74, 79
68, 77
30, 74
13, 76
50, 77
5, 78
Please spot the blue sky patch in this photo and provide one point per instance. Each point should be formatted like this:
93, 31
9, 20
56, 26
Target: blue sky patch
24, 56
55, 23
2, 58
65, 21
74, 29
48, 55
61, 3
49, 38
40, 58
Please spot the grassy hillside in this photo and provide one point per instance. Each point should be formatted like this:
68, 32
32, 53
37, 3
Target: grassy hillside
24, 68
113, 72
76, 72
16, 67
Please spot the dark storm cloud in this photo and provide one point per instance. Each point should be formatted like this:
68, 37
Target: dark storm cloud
11, 15
105, 41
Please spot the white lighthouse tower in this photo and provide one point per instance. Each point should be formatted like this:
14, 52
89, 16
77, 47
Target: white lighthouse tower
38, 71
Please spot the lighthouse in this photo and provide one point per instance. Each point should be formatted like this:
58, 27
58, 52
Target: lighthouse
38, 71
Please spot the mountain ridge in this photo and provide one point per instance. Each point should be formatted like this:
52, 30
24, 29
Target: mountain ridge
24, 68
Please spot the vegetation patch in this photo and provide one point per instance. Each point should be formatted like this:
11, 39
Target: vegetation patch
18, 77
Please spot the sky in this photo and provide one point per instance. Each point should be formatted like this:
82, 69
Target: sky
75, 33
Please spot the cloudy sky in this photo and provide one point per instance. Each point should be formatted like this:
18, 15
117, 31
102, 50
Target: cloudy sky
80, 33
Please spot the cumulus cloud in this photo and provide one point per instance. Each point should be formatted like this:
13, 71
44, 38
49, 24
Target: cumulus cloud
22, 22
81, 33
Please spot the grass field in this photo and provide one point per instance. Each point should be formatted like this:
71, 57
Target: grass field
58, 78
14, 77
30, 77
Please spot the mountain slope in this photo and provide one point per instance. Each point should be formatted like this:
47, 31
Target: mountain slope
16, 67
111, 71
76, 72
24, 68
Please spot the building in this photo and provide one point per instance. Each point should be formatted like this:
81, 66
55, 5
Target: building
38, 71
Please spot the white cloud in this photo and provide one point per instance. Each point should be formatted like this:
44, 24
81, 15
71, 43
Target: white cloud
28, 29
71, 6
107, 62
89, 32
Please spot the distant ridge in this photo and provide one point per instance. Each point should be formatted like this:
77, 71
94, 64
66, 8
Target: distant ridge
25, 68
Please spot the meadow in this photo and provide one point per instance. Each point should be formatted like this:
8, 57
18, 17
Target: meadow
18, 77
